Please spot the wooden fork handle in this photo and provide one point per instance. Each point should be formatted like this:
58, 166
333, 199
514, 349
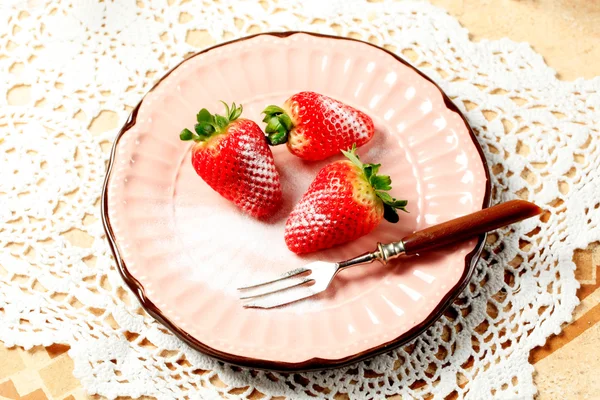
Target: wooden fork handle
469, 226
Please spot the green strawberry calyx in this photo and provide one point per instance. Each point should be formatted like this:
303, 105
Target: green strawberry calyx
381, 184
210, 125
279, 125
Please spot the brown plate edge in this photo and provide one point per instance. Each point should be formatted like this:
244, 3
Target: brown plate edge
313, 363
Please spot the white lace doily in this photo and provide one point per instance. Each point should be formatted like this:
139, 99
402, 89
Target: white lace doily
75, 64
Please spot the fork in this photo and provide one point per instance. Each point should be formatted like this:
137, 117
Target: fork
314, 278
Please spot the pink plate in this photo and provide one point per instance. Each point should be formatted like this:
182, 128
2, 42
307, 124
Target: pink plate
184, 249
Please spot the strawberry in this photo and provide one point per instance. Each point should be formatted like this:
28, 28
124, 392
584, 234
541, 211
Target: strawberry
233, 157
346, 200
316, 126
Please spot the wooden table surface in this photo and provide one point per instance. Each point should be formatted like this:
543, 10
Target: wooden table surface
566, 33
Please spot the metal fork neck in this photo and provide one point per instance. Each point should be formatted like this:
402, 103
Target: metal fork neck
366, 258
383, 254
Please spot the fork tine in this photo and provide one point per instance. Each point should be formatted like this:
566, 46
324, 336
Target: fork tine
274, 287
281, 277
283, 297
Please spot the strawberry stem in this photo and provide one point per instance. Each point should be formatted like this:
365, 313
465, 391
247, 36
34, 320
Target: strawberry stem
381, 184
209, 125
279, 125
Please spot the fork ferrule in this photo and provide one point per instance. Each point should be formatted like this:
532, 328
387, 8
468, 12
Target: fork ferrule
389, 251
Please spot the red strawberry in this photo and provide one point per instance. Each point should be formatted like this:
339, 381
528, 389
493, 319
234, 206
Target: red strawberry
346, 200
233, 157
316, 126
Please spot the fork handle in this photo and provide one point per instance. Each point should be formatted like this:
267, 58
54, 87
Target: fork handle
469, 226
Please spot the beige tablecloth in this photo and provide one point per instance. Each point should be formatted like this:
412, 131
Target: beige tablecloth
566, 33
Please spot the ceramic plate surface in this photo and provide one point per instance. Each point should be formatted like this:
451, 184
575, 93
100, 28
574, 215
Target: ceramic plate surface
184, 249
